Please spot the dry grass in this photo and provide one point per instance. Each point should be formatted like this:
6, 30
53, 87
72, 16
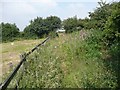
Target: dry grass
10, 52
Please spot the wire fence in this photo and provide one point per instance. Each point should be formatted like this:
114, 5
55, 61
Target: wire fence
14, 78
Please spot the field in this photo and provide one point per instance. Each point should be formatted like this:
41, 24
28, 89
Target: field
11, 51
77, 60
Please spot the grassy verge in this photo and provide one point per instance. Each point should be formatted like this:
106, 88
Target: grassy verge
10, 53
77, 60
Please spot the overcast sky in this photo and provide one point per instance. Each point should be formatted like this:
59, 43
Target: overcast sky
22, 11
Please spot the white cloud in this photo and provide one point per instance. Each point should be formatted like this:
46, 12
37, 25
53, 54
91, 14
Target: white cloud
19, 13
22, 11
76, 9
65, 10
18, 8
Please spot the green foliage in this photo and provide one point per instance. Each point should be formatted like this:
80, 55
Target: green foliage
80, 59
42, 71
112, 26
99, 16
9, 32
0, 33
112, 62
35, 28
86, 23
40, 27
107, 18
86, 67
75, 61
53, 34
29, 33
53, 23
72, 24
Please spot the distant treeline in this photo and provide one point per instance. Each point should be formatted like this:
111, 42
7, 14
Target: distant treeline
105, 18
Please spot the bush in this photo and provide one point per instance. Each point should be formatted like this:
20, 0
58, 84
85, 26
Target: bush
9, 32
53, 34
112, 26
72, 24
40, 27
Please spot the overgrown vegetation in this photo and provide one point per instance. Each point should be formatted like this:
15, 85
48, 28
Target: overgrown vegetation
9, 32
87, 58
78, 60
72, 24
38, 28
112, 28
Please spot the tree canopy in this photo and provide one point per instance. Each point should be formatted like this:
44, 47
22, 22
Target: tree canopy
9, 31
72, 24
106, 18
40, 27
112, 25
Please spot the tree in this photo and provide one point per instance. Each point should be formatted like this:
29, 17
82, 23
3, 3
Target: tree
9, 32
112, 26
40, 27
33, 30
53, 23
99, 17
107, 19
72, 24
85, 23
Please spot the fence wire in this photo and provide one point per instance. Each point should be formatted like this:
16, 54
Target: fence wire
14, 78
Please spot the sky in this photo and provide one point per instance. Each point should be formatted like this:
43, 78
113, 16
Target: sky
21, 12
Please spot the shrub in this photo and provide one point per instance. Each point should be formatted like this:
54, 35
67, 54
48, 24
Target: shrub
112, 28
9, 32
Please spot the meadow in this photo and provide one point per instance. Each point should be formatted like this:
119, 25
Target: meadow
10, 54
77, 60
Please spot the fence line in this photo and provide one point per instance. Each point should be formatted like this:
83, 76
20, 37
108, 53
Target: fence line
4, 85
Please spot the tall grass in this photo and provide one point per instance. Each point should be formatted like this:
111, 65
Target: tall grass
75, 60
